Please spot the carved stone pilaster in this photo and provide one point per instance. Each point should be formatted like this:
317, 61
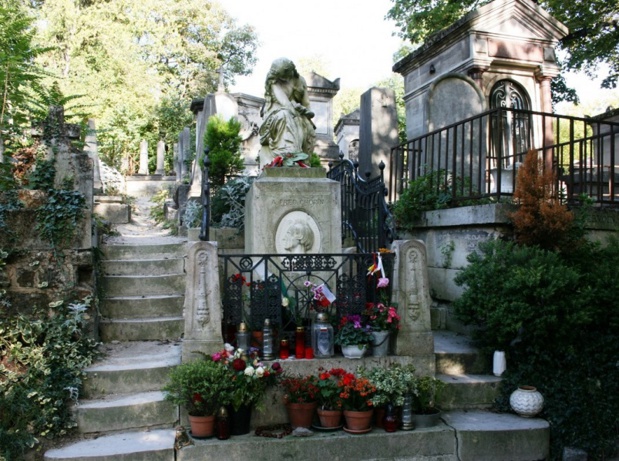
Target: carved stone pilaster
202, 302
412, 292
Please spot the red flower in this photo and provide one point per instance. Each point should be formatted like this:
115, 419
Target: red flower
239, 364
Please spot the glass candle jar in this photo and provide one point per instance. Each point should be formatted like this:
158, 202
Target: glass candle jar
243, 337
323, 337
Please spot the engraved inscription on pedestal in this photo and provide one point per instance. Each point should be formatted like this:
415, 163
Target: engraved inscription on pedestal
202, 313
297, 233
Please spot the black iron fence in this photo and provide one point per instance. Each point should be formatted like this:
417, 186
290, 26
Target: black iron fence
366, 219
283, 288
478, 158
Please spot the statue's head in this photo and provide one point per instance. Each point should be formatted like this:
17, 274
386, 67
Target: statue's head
282, 69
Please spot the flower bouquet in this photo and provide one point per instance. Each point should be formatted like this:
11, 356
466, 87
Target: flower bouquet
250, 377
381, 317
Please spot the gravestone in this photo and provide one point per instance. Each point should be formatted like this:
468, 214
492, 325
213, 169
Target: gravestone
293, 210
143, 157
378, 130
160, 158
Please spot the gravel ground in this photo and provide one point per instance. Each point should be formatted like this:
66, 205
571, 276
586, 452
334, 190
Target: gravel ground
142, 229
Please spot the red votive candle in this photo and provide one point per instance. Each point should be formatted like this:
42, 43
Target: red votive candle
284, 349
299, 348
309, 353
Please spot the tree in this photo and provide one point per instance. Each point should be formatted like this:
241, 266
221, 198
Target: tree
130, 58
593, 25
224, 143
18, 72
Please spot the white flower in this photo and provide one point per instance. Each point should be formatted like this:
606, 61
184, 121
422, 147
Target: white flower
260, 372
249, 371
285, 301
229, 347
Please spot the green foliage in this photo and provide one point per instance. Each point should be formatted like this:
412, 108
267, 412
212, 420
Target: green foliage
193, 214
42, 176
140, 56
224, 143
392, 383
556, 315
314, 161
228, 203
592, 40
41, 363
58, 217
428, 192
428, 391
200, 386
434, 190
520, 283
18, 71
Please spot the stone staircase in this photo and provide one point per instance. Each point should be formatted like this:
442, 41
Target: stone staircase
122, 414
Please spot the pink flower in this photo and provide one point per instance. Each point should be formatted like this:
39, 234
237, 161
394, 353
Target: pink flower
216, 356
382, 282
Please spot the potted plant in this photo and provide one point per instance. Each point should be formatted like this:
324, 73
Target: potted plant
383, 320
329, 400
201, 387
250, 378
356, 393
354, 336
392, 384
425, 411
300, 398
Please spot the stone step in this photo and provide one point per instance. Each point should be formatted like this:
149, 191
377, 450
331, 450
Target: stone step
143, 266
178, 249
126, 412
468, 391
156, 445
143, 329
136, 366
152, 285
135, 307
456, 355
488, 436
462, 436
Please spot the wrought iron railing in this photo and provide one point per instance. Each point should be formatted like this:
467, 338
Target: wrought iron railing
479, 156
279, 287
366, 217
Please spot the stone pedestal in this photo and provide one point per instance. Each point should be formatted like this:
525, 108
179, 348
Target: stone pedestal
202, 302
293, 210
411, 290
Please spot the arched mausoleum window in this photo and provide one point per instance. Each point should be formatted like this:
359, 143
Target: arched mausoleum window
512, 134
353, 150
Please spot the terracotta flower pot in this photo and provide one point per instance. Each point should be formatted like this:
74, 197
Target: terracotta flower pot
330, 418
301, 414
202, 426
358, 420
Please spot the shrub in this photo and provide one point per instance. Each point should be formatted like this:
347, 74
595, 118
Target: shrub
228, 203
224, 143
541, 218
41, 363
556, 315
